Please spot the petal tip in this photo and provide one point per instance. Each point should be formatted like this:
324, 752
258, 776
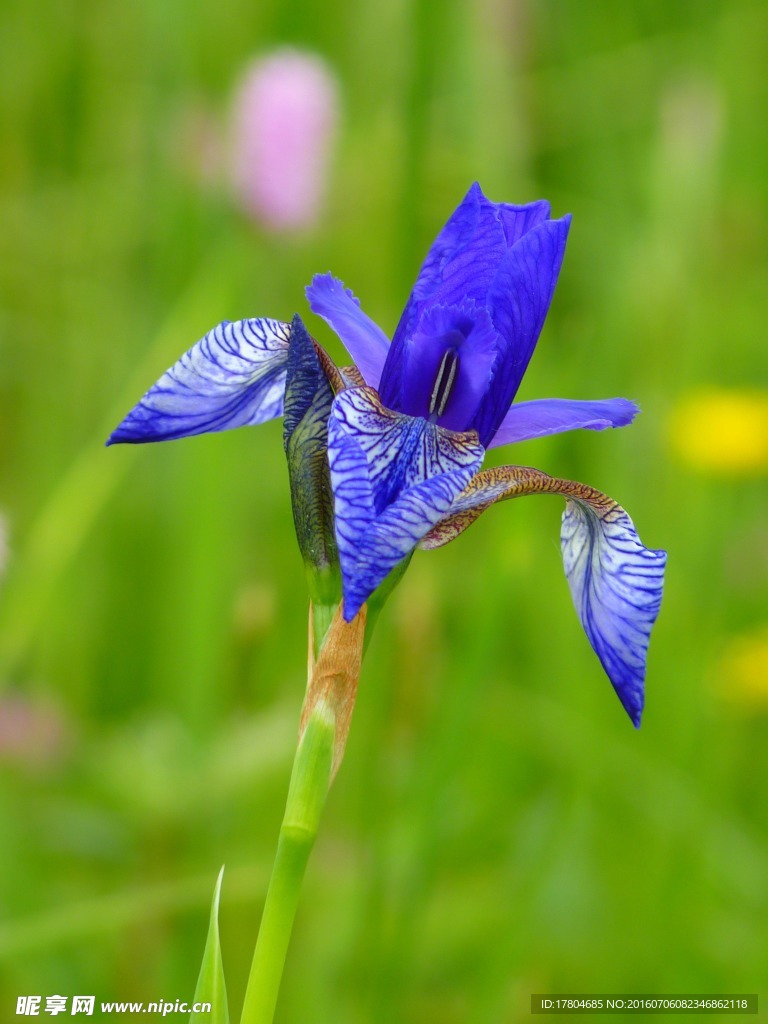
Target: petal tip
629, 411
633, 703
318, 280
126, 433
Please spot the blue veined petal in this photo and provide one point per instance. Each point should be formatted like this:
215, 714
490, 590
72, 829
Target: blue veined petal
363, 339
526, 420
616, 583
518, 220
233, 377
518, 301
491, 228
394, 477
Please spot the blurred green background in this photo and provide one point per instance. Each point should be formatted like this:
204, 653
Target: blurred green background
498, 827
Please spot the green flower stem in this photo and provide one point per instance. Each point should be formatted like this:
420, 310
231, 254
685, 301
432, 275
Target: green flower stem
310, 781
322, 617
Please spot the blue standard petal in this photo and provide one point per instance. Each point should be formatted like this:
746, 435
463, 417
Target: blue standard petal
233, 377
494, 257
394, 477
518, 301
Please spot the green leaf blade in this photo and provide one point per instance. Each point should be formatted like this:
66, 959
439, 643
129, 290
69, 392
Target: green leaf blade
211, 986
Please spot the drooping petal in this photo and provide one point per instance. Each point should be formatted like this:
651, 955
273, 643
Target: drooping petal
363, 339
526, 420
616, 583
233, 377
394, 477
518, 301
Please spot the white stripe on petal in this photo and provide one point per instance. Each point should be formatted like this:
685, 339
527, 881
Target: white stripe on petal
233, 377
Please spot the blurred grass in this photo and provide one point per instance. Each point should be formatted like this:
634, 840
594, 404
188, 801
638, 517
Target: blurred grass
497, 828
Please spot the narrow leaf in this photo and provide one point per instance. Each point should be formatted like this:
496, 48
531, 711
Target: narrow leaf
211, 987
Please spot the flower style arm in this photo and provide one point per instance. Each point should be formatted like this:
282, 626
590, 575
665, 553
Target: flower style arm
616, 583
233, 377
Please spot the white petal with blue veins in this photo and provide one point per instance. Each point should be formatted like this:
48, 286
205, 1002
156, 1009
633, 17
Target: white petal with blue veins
616, 583
233, 377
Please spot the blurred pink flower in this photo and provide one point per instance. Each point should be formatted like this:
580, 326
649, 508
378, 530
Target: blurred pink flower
285, 120
32, 734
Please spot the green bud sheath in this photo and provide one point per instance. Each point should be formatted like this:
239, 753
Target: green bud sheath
308, 399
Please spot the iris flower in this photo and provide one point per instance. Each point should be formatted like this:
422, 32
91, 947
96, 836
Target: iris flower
409, 425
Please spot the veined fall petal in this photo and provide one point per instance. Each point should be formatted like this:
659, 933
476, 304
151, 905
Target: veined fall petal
394, 478
233, 377
615, 581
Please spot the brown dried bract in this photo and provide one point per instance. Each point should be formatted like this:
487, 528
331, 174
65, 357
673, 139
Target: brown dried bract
334, 676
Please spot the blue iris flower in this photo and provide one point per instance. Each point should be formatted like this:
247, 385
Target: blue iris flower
407, 433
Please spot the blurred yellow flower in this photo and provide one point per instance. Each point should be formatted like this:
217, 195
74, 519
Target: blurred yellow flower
723, 431
742, 670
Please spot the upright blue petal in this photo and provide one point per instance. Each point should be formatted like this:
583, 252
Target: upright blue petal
363, 339
477, 228
526, 420
518, 301
394, 477
518, 220
459, 267
233, 377
616, 583
498, 257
